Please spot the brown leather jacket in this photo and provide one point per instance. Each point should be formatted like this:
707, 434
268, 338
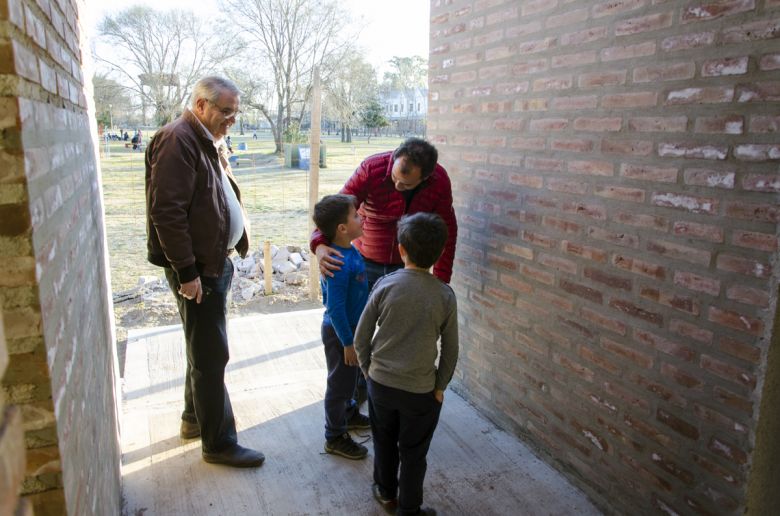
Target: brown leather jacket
187, 217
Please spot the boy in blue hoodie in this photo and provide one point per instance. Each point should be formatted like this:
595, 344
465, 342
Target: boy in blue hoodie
344, 296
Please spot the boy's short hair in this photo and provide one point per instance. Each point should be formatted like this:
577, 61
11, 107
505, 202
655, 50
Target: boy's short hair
420, 153
424, 236
331, 211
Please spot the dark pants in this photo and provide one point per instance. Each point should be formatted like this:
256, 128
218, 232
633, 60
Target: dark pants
402, 424
339, 405
206, 399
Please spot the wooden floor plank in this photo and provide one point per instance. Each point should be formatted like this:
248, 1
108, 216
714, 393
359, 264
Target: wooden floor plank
276, 379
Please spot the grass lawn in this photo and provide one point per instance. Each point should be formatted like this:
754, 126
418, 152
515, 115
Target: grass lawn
275, 197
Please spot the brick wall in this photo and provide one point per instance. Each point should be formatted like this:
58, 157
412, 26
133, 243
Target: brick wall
615, 168
54, 287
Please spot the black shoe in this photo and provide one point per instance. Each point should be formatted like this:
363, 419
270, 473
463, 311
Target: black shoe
346, 447
359, 422
189, 430
236, 456
388, 504
422, 511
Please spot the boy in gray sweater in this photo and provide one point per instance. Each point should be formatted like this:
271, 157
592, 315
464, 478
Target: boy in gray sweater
412, 309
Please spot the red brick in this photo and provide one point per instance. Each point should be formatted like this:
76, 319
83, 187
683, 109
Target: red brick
530, 7
706, 205
553, 83
636, 311
709, 178
731, 124
688, 41
664, 72
592, 168
548, 124
620, 193
584, 36
574, 367
680, 252
561, 224
769, 62
764, 124
511, 88
601, 79
649, 173
705, 95
581, 291
647, 430
677, 424
681, 377
671, 299
525, 180
735, 401
598, 124
696, 282
531, 105
741, 265
566, 185
748, 295
571, 144
618, 53
673, 468
753, 211
741, 350
628, 147
761, 183
757, 152
726, 450
527, 143
754, 31
616, 7
642, 221
675, 124
664, 345
643, 24
698, 231
629, 100
561, 303
537, 274
567, 18
634, 401
574, 103
754, 240
640, 359
592, 211
728, 371
713, 416
555, 262
583, 251
639, 266
608, 279
524, 29
715, 9
716, 470
609, 323
736, 320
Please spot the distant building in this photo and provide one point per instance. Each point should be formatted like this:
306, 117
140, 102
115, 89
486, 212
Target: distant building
406, 110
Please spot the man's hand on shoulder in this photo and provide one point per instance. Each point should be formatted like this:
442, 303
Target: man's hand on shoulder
327, 259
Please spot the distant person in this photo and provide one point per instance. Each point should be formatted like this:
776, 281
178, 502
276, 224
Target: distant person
136, 140
396, 343
194, 221
254, 136
125, 137
388, 186
229, 145
344, 295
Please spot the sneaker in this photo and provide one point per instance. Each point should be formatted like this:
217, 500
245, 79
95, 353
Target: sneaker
388, 504
358, 422
346, 447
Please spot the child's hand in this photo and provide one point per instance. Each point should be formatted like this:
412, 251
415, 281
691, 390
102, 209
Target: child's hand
439, 395
350, 357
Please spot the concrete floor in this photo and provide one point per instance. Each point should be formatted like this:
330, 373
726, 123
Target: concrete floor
276, 380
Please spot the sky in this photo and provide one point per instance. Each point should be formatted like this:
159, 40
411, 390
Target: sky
390, 27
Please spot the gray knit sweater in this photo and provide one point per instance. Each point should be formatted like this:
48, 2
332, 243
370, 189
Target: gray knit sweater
409, 309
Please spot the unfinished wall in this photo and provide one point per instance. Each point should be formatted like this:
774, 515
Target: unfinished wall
615, 167
54, 288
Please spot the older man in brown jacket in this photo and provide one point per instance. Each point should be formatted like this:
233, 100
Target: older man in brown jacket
194, 220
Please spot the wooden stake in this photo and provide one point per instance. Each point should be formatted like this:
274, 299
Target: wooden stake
314, 178
268, 268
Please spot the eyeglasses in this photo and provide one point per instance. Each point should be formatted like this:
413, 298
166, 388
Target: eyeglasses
226, 112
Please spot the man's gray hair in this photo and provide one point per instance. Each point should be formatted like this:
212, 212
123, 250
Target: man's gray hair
210, 88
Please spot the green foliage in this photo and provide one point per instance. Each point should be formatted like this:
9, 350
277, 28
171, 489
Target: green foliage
293, 134
407, 73
373, 117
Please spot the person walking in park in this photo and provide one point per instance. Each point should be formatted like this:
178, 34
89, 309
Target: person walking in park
344, 295
194, 220
396, 344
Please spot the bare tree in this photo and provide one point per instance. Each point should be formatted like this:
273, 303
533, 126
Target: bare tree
286, 39
349, 91
159, 55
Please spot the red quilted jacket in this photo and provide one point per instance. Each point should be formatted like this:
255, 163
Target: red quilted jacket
381, 205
